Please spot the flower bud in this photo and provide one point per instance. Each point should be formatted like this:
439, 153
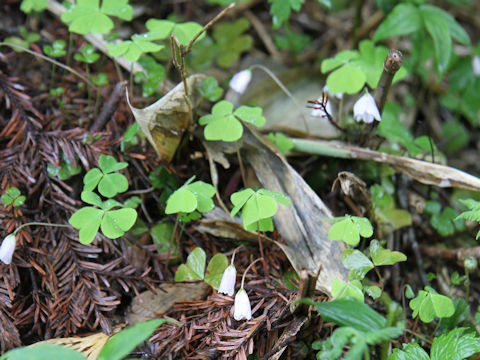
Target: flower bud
470, 263
365, 109
242, 306
227, 285
240, 81
7, 248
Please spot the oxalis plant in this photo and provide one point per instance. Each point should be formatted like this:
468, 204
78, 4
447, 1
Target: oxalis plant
114, 218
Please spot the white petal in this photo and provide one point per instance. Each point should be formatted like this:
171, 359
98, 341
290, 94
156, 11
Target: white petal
242, 306
7, 248
227, 285
365, 109
319, 112
476, 65
240, 81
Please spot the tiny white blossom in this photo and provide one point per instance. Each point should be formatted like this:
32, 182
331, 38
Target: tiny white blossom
365, 109
476, 65
227, 285
242, 306
7, 248
318, 112
240, 81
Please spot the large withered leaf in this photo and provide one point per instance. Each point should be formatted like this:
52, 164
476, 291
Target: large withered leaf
165, 121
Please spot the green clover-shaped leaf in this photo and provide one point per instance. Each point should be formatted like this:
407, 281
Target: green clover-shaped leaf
162, 29
91, 198
109, 183
357, 263
162, 237
203, 193
87, 220
347, 79
87, 55
349, 229
210, 89
118, 8
250, 114
108, 164
191, 197
185, 32
221, 124
381, 256
258, 207
429, 305
28, 6
85, 17
91, 179
133, 49
116, 222
215, 269
159, 29
231, 41
55, 50
181, 201
12, 196
283, 143
351, 289
194, 268
112, 184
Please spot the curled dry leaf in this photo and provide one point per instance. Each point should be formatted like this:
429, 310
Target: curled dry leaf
165, 121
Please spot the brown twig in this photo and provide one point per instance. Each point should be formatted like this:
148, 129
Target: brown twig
110, 107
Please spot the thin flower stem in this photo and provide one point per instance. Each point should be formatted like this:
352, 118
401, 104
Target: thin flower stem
39, 224
240, 163
246, 270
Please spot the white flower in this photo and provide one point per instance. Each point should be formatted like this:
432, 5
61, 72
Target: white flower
365, 109
242, 306
227, 285
318, 112
476, 65
7, 248
240, 81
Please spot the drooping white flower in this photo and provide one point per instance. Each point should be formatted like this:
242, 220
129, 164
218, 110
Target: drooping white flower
227, 285
365, 109
242, 306
7, 248
240, 81
476, 65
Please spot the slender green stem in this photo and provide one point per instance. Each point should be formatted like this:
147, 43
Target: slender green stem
87, 70
240, 163
357, 21
467, 285
97, 102
39, 224
70, 45
246, 270
170, 243
291, 41
52, 77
